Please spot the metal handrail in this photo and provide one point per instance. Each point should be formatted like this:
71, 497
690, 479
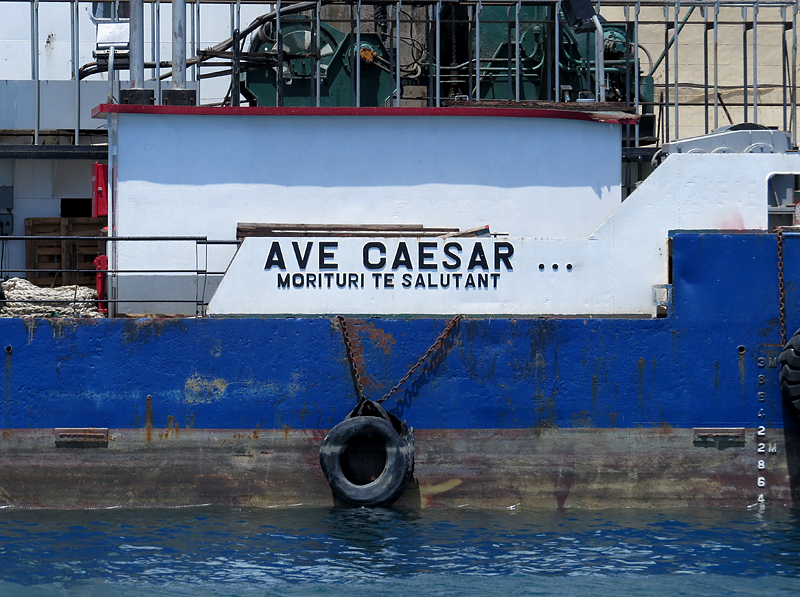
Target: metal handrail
704, 13
116, 274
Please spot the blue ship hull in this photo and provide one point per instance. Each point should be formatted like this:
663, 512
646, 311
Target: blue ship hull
504, 411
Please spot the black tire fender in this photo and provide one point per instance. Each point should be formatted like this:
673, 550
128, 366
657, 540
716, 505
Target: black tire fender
790, 371
389, 484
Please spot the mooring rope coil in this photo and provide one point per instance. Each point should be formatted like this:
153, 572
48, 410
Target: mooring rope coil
24, 299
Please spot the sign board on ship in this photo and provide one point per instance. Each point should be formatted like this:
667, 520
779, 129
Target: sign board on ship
393, 275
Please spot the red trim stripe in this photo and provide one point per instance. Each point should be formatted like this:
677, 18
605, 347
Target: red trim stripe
610, 117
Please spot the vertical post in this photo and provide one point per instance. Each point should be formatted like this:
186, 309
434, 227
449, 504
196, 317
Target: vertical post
197, 50
627, 15
112, 123
744, 61
153, 38
279, 45
35, 67
179, 44
439, 53
509, 86
358, 54
478, 9
599, 61
193, 28
318, 56
111, 53
705, 65
557, 50
136, 44
755, 62
316, 52
793, 92
666, 73
235, 69
636, 64
389, 16
351, 56
516, 52
238, 19
784, 65
675, 49
76, 70
470, 66
158, 52
397, 59
547, 65
716, 65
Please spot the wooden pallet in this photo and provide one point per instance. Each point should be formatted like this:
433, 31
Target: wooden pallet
54, 262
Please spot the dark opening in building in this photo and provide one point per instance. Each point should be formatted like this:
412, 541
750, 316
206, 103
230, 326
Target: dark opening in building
76, 208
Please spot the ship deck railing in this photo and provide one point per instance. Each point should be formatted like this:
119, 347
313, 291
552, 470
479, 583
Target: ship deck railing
200, 275
713, 62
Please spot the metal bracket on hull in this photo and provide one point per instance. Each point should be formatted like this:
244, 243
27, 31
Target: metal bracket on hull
718, 435
81, 438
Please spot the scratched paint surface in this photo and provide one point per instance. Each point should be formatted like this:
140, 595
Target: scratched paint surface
322, 551
698, 367
550, 469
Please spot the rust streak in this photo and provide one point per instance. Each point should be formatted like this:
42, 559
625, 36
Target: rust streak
742, 371
357, 354
382, 340
563, 482
640, 386
148, 418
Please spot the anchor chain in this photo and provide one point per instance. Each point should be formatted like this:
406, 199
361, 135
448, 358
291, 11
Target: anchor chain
781, 287
351, 358
354, 367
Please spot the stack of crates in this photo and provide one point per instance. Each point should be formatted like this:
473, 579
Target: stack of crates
63, 262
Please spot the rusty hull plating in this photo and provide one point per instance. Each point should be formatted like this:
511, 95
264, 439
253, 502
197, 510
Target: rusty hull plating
528, 412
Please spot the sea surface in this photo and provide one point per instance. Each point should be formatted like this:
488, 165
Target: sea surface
202, 551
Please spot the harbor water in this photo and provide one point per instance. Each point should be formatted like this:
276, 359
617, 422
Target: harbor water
203, 551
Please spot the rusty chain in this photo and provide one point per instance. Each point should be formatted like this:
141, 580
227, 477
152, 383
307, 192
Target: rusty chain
448, 328
781, 287
438, 342
351, 358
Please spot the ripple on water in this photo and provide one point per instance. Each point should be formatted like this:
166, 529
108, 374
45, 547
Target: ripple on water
211, 551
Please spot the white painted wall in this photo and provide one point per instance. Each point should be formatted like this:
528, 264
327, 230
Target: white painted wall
613, 269
553, 186
201, 175
525, 176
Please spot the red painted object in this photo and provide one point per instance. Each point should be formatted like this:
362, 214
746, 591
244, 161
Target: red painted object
598, 116
101, 264
99, 190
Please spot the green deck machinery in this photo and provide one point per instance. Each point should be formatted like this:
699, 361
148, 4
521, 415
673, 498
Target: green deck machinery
456, 69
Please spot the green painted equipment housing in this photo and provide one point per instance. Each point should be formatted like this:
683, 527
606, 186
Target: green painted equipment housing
498, 79
337, 65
